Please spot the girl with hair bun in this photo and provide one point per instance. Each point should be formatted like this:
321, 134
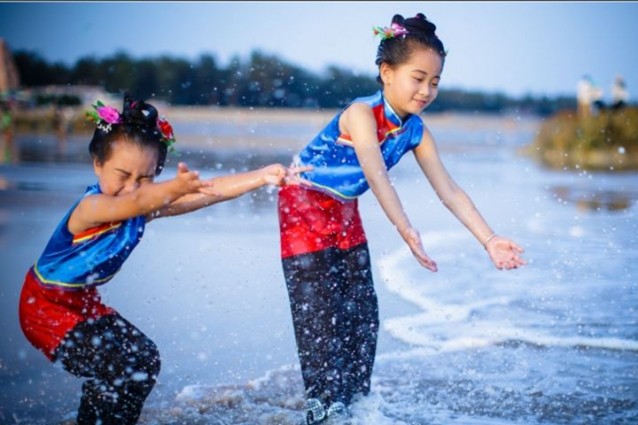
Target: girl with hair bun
324, 250
61, 313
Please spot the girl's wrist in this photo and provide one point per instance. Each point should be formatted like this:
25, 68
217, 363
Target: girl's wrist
488, 239
265, 176
403, 227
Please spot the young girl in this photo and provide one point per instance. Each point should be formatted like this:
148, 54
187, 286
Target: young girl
61, 313
323, 245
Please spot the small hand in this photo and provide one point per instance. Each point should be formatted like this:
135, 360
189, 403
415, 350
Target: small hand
505, 253
413, 239
189, 181
209, 189
292, 176
279, 175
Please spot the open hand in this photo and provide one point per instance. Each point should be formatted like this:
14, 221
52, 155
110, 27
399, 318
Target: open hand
189, 181
413, 239
505, 254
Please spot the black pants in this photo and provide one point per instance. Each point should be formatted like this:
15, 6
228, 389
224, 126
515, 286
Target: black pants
122, 364
336, 320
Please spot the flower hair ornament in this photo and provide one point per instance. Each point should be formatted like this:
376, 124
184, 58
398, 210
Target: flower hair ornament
394, 30
105, 116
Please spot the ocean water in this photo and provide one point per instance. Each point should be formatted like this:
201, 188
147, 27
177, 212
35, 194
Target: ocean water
555, 342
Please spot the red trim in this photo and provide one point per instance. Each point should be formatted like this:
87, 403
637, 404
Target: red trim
95, 231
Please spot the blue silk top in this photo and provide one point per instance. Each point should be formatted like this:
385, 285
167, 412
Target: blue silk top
336, 168
90, 258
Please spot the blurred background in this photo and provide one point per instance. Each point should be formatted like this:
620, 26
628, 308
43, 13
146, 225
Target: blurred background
536, 119
317, 53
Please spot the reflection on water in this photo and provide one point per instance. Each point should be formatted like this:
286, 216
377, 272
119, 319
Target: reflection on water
595, 200
47, 149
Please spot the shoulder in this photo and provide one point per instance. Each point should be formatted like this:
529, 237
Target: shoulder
355, 115
415, 127
365, 103
89, 194
358, 108
371, 99
426, 143
425, 131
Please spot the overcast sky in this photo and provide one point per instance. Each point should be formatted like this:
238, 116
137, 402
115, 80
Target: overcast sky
517, 48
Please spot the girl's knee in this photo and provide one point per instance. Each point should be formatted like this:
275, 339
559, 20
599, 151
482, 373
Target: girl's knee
147, 360
155, 363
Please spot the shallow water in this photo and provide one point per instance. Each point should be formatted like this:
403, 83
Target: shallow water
555, 342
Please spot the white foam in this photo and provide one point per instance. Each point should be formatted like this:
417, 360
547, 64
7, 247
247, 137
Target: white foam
272, 374
369, 410
473, 308
192, 393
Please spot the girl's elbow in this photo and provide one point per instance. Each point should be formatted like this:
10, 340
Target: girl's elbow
452, 197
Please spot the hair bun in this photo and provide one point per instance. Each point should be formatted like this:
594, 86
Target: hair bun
419, 23
139, 113
397, 19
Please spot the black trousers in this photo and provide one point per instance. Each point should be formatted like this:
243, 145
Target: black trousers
336, 320
121, 363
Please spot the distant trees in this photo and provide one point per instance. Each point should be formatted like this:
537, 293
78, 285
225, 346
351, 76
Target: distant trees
261, 80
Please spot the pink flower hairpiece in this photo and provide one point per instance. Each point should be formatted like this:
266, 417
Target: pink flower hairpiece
394, 30
104, 116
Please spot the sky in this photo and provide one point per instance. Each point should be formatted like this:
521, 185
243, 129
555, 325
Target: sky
513, 48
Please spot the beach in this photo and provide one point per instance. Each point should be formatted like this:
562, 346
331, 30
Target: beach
554, 342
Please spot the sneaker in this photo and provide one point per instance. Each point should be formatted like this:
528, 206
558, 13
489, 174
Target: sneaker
315, 412
337, 410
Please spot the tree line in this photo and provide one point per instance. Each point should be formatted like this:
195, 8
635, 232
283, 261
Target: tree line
260, 80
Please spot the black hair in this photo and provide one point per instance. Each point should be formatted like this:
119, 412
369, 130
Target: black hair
421, 33
138, 125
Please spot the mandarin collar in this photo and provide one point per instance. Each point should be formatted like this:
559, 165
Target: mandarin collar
391, 114
96, 187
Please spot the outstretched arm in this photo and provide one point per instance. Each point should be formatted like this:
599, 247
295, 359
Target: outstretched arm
94, 210
232, 186
358, 121
504, 253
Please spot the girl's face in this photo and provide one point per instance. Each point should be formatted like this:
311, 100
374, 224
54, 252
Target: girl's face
413, 85
128, 167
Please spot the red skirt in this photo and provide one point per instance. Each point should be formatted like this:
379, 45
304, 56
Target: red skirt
48, 314
311, 221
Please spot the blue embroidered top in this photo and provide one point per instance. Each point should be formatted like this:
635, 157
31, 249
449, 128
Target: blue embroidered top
336, 168
90, 258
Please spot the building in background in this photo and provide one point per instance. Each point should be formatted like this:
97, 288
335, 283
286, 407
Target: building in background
9, 76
